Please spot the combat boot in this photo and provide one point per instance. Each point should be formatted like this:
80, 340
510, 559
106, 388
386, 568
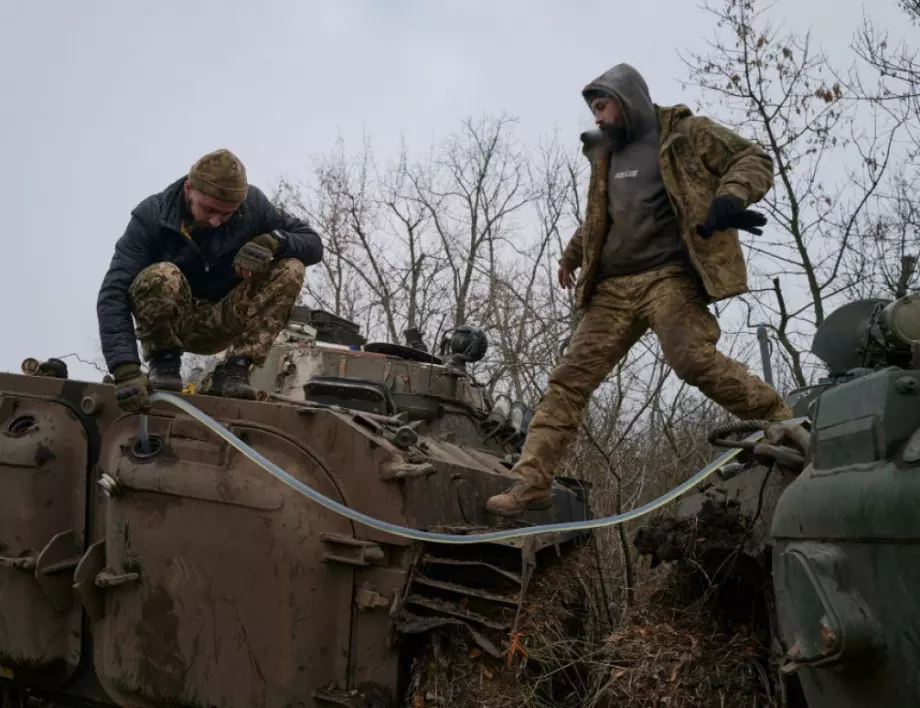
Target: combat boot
231, 379
520, 497
165, 371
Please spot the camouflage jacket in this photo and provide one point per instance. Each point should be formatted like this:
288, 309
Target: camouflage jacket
699, 159
154, 235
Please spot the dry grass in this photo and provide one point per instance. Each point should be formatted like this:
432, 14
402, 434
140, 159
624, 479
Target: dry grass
674, 652
545, 664
696, 638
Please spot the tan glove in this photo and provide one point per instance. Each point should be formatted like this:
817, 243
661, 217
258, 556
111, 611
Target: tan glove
254, 258
132, 389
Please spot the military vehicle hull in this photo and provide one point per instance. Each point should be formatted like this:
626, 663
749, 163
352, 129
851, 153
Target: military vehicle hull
819, 533
846, 555
185, 575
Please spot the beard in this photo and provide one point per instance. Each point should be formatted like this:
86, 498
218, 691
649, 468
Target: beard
615, 133
191, 222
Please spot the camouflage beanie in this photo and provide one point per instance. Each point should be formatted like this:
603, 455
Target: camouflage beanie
220, 175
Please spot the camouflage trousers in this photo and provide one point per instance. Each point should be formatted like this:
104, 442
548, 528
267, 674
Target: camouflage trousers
670, 302
246, 321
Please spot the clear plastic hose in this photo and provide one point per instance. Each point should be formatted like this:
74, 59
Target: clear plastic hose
430, 536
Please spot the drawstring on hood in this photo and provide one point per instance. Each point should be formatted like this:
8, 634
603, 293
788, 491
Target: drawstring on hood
626, 86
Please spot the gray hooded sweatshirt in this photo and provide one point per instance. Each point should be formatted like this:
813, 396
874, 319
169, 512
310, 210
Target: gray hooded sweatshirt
644, 232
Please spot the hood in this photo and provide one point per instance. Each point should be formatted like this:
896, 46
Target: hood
630, 91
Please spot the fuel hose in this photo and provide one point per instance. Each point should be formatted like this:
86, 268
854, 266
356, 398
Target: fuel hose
417, 534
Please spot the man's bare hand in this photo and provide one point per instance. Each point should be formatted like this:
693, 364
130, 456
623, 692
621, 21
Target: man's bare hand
566, 274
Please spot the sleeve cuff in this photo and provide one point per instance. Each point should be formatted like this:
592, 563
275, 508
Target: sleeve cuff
282, 243
735, 190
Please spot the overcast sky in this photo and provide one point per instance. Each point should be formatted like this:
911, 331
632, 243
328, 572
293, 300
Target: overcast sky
105, 103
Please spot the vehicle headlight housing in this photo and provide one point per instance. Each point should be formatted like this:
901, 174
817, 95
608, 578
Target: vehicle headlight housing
901, 320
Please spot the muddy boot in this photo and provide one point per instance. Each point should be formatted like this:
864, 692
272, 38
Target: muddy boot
520, 497
166, 371
231, 379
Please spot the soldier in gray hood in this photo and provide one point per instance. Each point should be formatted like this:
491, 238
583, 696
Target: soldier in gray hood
659, 243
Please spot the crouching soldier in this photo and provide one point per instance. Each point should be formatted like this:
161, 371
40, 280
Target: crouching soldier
206, 265
658, 244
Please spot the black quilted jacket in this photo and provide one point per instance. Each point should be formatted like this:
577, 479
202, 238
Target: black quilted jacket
154, 235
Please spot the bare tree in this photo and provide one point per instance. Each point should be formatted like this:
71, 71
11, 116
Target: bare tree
331, 288
895, 80
477, 186
884, 259
779, 91
532, 318
419, 276
887, 77
381, 266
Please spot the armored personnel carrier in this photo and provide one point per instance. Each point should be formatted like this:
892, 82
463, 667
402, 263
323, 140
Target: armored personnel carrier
815, 531
165, 568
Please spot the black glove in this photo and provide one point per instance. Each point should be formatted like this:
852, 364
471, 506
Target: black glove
255, 257
131, 388
728, 212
